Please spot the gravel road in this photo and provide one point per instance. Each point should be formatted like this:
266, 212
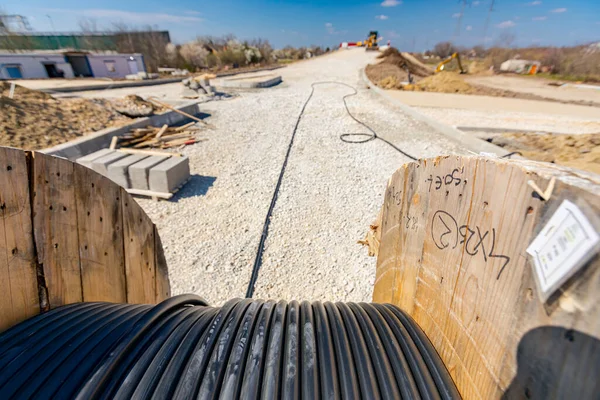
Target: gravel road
330, 194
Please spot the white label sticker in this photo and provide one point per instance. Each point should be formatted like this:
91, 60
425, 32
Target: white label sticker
565, 244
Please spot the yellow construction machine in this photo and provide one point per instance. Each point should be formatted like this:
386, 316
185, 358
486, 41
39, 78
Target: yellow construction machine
371, 42
440, 66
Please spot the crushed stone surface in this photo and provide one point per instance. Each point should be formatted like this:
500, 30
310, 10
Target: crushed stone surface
330, 193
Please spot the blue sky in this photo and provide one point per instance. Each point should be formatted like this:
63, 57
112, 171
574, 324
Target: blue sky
411, 25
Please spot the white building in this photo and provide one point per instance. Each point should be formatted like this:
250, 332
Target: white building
69, 65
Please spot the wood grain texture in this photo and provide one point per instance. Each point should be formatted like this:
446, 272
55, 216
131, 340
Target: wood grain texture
459, 266
100, 229
140, 261
62, 239
163, 288
55, 228
18, 275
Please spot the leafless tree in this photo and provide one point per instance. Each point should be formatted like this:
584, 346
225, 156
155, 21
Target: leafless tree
147, 41
505, 39
444, 49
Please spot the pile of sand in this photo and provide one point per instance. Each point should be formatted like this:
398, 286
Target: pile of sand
404, 61
386, 76
393, 69
35, 120
575, 151
442, 82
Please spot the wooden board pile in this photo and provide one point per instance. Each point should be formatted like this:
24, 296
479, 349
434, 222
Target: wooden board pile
153, 137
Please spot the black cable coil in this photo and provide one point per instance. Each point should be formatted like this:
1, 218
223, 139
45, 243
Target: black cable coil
184, 349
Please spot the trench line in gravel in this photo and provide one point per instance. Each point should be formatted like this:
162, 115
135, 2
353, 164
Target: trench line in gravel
344, 137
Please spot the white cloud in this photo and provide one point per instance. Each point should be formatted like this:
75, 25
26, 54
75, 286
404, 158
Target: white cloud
534, 3
332, 31
131, 17
382, 17
506, 24
517, 18
539, 18
469, 28
558, 10
456, 15
192, 12
391, 3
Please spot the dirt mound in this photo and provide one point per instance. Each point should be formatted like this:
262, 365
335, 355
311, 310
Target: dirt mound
404, 61
394, 67
387, 76
34, 120
22, 92
575, 151
442, 82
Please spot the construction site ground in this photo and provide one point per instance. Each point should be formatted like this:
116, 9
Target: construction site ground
331, 190
330, 193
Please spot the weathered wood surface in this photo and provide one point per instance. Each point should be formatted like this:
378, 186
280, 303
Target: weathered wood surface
55, 224
99, 217
452, 236
19, 298
140, 268
63, 233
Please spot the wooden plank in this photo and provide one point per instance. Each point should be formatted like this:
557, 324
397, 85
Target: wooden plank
387, 262
184, 127
140, 261
417, 189
113, 142
149, 193
99, 222
163, 288
160, 103
55, 228
18, 277
442, 255
161, 131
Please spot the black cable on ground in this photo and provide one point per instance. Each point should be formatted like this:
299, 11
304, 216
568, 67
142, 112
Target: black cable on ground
344, 137
183, 349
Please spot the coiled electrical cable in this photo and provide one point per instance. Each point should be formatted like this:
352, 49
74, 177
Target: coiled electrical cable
183, 349
344, 137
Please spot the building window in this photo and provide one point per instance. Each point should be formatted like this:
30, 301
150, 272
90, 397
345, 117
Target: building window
110, 66
14, 71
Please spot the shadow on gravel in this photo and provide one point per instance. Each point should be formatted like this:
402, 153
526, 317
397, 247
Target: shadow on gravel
198, 185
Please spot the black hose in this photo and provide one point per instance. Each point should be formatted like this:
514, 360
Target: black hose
184, 349
344, 137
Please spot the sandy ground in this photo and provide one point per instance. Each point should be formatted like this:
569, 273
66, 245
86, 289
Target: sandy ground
493, 104
536, 86
330, 194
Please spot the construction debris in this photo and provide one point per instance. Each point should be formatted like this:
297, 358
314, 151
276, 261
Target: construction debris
134, 106
153, 137
198, 86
